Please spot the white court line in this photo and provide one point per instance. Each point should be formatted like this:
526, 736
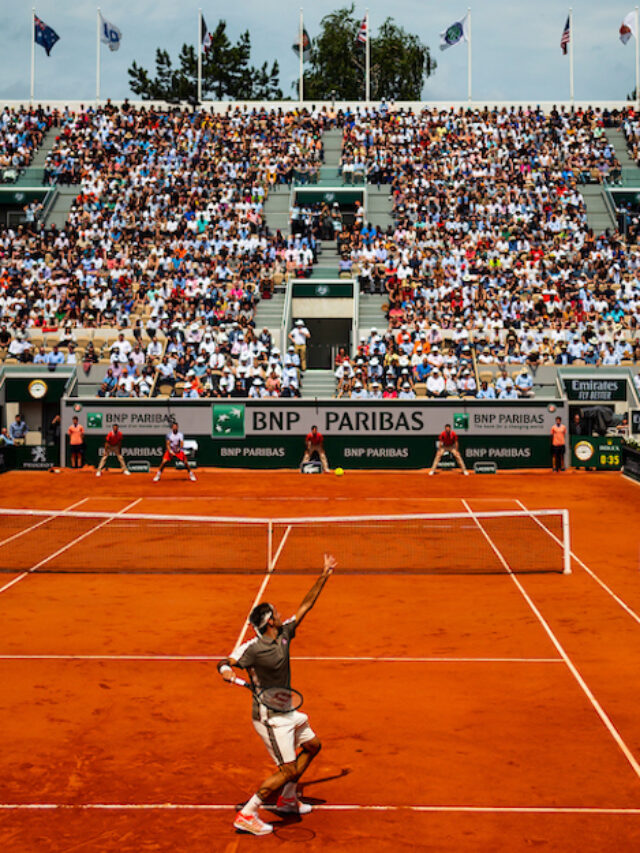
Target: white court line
23, 575
320, 659
351, 807
263, 585
615, 734
66, 547
589, 571
4, 542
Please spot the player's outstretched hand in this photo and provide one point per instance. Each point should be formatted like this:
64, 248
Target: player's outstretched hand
329, 564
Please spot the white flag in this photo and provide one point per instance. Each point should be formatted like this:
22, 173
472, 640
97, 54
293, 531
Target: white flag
109, 34
454, 34
628, 28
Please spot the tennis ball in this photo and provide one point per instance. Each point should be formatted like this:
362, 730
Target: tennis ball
339, 472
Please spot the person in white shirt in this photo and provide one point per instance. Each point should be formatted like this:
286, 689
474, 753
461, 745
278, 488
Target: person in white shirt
174, 450
299, 336
257, 390
154, 349
508, 392
406, 392
120, 350
436, 384
359, 392
126, 384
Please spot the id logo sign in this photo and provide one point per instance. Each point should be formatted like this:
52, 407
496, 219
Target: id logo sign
94, 420
228, 421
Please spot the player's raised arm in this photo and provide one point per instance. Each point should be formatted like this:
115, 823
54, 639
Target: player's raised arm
312, 596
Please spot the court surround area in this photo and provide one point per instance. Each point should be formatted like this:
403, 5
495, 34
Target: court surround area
458, 711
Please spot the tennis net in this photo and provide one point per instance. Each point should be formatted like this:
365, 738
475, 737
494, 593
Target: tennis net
433, 543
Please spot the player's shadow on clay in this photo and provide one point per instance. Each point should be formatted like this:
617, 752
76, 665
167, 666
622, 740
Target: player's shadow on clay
317, 801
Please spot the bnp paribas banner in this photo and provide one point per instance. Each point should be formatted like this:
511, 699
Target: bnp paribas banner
231, 420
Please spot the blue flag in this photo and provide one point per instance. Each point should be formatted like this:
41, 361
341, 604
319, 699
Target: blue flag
43, 35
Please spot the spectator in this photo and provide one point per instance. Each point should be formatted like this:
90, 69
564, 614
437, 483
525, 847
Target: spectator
18, 430
299, 337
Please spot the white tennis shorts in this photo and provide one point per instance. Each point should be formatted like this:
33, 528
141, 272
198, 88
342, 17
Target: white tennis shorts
282, 734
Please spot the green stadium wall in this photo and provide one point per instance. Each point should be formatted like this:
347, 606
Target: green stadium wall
358, 434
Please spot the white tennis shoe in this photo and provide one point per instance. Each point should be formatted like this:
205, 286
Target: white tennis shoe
252, 823
292, 806
127, 472
157, 477
192, 477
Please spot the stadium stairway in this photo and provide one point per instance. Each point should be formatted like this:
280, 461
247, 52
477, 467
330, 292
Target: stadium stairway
269, 315
598, 214
379, 206
59, 212
276, 208
40, 157
615, 137
371, 314
332, 140
318, 383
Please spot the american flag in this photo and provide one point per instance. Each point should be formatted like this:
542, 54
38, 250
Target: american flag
362, 32
566, 37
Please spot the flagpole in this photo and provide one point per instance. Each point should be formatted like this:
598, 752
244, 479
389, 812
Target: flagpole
199, 49
33, 51
469, 54
301, 52
368, 64
571, 54
637, 63
98, 56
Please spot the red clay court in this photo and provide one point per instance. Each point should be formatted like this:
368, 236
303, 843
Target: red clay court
459, 711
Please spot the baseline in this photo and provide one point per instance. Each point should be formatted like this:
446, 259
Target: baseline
306, 658
346, 807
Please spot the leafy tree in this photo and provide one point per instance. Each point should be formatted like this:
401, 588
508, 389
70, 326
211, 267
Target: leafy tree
400, 63
226, 73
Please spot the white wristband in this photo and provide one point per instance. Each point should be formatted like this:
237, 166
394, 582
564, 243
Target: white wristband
225, 668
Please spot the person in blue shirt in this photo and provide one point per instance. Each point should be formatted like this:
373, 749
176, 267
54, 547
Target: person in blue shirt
486, 392
422, 370
18, 430
55, 357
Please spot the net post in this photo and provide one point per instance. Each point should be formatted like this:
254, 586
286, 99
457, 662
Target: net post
566, 542
269, 544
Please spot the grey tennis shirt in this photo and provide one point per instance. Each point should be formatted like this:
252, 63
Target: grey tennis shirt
267, 661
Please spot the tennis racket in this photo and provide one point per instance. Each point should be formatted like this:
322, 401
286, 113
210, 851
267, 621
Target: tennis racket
283, 700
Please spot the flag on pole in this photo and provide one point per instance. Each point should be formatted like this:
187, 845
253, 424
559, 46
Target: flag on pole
205, 36
457, 32
628, 28
362, 32
43, 35
306, 45
565, 38
109, 34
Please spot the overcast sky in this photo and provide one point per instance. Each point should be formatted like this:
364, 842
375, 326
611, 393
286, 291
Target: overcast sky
516, 45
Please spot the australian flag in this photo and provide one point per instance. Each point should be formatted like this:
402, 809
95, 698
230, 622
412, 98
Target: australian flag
43, 35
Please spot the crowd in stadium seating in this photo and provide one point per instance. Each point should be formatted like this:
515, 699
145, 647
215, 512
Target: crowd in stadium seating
491, 260
166, 240
21, 133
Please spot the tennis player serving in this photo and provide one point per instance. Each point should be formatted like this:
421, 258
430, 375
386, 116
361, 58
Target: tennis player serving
282, 727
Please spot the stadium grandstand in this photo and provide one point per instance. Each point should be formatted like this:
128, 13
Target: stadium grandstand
486, 246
